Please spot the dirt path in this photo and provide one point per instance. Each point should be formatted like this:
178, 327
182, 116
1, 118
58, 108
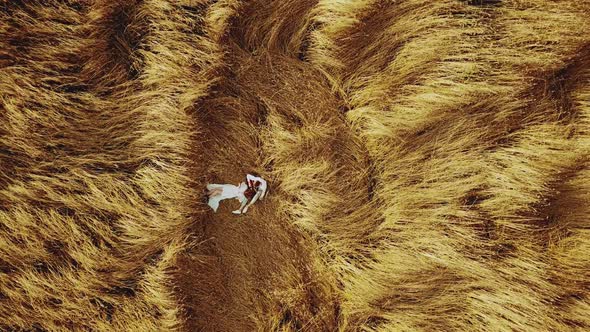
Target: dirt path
253, 271
234, 278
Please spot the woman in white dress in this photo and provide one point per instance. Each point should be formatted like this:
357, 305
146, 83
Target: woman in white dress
253, 189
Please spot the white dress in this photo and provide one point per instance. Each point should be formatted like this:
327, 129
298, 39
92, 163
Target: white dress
227, 191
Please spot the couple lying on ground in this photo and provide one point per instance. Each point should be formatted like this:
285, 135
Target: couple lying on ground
253, 189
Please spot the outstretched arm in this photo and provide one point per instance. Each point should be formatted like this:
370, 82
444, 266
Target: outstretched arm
262, 189
254, 199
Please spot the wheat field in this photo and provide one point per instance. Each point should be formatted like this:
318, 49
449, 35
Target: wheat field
428, 164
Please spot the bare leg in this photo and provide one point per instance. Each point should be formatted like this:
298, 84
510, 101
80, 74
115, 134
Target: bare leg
254, 199
215, 192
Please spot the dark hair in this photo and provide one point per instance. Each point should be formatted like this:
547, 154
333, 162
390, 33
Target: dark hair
250, 193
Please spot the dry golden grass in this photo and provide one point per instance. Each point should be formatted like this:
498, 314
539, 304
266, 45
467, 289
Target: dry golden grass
429, 165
